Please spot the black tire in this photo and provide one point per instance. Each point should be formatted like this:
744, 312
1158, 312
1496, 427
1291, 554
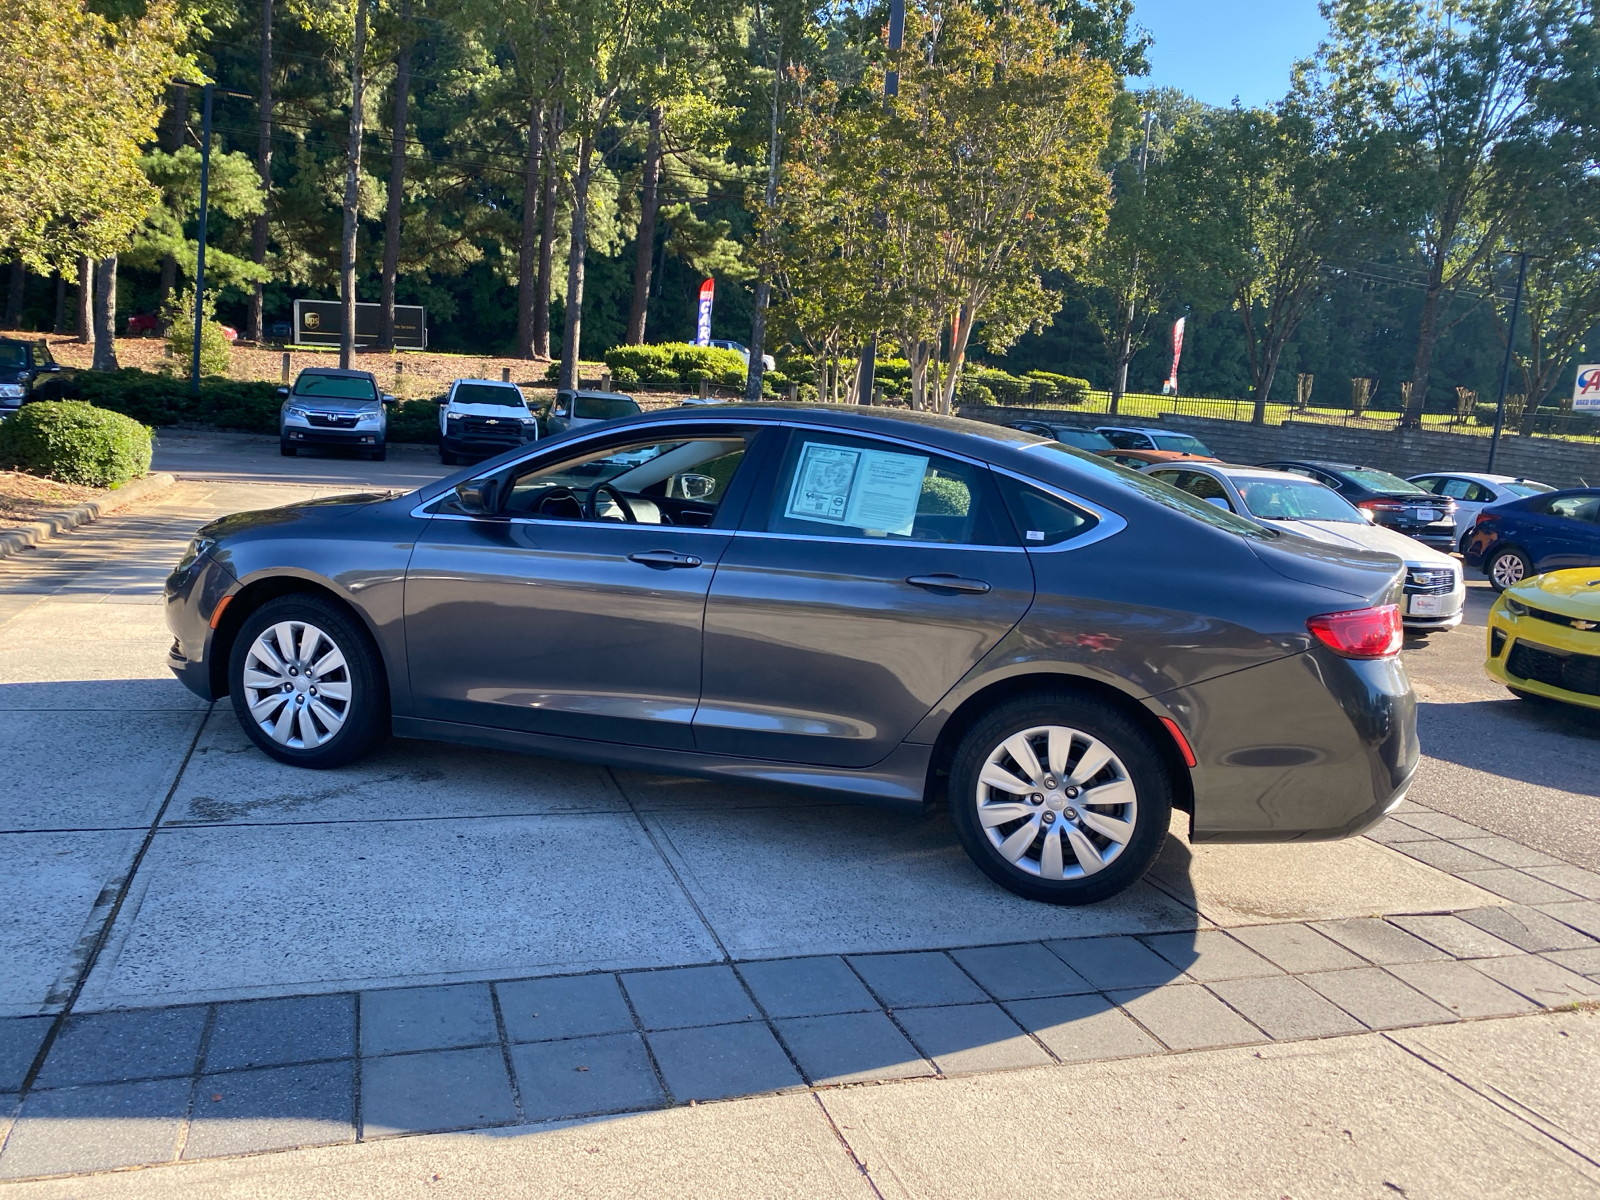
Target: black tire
448, 459
1137, 760
285, 449
1514, 561
366, 715
378, 455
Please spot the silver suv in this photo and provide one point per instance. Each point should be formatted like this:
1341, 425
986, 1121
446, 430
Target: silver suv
330, 407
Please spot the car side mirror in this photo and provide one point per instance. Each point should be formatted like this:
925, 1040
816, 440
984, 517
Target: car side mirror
696, 487
478, 497
388, 399
52, 367
1220, 503
283, 391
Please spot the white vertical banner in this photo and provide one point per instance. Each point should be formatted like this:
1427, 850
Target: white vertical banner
1170, 388
702, 334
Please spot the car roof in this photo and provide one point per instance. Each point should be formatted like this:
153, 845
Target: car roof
339, 372
1473, 476
505, 383
1325, 465
1236, 472
1140, 429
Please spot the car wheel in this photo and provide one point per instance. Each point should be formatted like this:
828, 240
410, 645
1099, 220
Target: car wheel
285, 449
448, 459
378, 455
307, 683
1060, 798
1507, 566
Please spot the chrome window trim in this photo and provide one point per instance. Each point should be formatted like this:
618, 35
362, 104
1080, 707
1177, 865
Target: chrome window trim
1108, 523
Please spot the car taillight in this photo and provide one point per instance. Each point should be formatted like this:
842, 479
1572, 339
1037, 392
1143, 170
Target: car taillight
1382, 505
1361, 632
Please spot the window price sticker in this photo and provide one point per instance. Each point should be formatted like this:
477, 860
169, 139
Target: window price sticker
869, 489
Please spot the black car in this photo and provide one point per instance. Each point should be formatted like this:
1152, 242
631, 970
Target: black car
895, 608
1067, 435
28, 372
1393, 502
1523, 538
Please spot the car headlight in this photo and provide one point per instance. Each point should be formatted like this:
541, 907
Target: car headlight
369, 418
1516, 607
195, 550
12, 390
530, 422
294, 410
455, 416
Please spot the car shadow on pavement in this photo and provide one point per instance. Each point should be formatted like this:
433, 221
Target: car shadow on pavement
1557, 745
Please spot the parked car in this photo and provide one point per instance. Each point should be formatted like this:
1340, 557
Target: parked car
28, 372
1544, 637
144, 325
330, 407
1138, 460
1473, 492
1435, 590
875, 606
767, 361
1392, 501
280, 330
574, 410
1522, 538
1067, 435
1139, 437
482, 417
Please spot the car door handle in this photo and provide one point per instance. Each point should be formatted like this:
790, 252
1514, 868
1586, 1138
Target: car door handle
949, 583
664, 558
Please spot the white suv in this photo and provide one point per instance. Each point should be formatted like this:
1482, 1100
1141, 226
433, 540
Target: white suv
481, 417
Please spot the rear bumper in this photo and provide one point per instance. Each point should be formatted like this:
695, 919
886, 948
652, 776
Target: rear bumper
1307, 748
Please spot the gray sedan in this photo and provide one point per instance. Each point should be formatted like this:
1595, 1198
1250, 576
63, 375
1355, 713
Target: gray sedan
900, 609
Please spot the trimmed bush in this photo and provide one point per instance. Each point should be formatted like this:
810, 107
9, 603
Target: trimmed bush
165, 400
75, 443
676, 364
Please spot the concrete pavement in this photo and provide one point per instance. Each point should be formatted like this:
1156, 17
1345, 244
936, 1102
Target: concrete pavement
354, 955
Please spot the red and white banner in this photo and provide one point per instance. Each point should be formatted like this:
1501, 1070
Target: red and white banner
1170, 388
702, 335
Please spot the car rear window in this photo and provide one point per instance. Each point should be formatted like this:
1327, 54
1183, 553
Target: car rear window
335, 387
489, 393
1181, 443
603, 408
1382, 481
1527, 488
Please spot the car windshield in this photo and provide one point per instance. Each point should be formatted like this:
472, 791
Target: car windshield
603, 408
1297, 500
13, 355
1161, 493
1083, 439
496, 394
335, 387
1181, 443
1524, 487
1382, 481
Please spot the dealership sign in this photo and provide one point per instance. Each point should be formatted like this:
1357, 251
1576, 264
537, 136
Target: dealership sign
319, 322
1586, 391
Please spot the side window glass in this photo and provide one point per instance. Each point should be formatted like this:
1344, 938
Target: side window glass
1456, 489
1305, 472
829, 485
1430, 483
1477, 494
1205, 487
1332, 481
1043, 519
1124, 441
1575, 508
1170, 477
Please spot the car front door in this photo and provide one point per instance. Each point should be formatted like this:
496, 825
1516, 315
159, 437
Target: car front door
867, 578
1572, 533
576, 609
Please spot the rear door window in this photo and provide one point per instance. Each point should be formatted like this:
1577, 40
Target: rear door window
1043, 519
1575, 508
603, 408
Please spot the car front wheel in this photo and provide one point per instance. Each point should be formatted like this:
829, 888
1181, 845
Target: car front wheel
1507, 567
1060, 798
307, 684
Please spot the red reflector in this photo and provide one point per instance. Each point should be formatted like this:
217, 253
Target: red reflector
1177, 736
216, 613
1361, 633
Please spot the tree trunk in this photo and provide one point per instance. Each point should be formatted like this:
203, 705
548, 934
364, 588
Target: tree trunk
397, 181
352, 195
958, 354
1269, 369
105, 315
85, 298
547, 236
1427, 336
649, 207
258, 229
528, 249
177, 135
572, 332
757, 365
14, 292
59, 326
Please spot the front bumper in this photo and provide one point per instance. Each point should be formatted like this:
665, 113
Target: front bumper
191, 598
304, 435
480, 445
1308, 748
1434, 610
1505, 631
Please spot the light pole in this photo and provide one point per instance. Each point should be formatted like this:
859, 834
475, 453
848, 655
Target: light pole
1505, 366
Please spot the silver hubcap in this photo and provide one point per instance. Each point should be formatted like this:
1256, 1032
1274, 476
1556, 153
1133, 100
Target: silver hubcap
297, 685
1507, 570
1056, 802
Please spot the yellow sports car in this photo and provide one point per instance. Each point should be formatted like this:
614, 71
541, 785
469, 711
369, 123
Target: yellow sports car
1544, 637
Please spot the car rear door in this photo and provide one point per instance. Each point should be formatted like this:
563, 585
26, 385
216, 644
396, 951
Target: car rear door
1572, 529
867, 578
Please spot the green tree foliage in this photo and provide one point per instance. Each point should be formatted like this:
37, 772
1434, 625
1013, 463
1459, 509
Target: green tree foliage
235, 192
215, 350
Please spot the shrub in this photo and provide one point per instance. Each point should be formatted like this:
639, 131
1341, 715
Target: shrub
414, 421
165, 400
215, 352
75, 443
677, 364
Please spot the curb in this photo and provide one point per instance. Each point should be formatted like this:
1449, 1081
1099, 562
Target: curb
34, 532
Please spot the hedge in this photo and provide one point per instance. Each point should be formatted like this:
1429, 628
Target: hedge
675, 364
75, 443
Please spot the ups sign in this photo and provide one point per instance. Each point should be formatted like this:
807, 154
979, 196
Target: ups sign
320, 322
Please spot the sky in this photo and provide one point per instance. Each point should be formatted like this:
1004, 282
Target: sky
1218, 49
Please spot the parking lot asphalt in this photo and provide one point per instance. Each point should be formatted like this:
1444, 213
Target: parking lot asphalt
213, 955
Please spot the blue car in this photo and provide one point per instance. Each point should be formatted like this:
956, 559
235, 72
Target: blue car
1513, 542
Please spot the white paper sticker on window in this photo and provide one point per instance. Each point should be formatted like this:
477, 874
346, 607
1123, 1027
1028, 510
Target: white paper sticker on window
869, 489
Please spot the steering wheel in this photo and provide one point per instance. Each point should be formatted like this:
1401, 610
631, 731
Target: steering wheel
591, 509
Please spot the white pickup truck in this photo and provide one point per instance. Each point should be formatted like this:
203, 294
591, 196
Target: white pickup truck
481, 417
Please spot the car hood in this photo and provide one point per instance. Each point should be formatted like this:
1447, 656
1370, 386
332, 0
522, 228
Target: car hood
1572, 593
322, 509
1370, 537
331, 404
490, 410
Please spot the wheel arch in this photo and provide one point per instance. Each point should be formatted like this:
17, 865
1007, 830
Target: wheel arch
248, 599
1013, 687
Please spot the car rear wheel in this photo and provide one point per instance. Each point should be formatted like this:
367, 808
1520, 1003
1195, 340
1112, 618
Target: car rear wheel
1507, 567
306, 683
1060, 798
